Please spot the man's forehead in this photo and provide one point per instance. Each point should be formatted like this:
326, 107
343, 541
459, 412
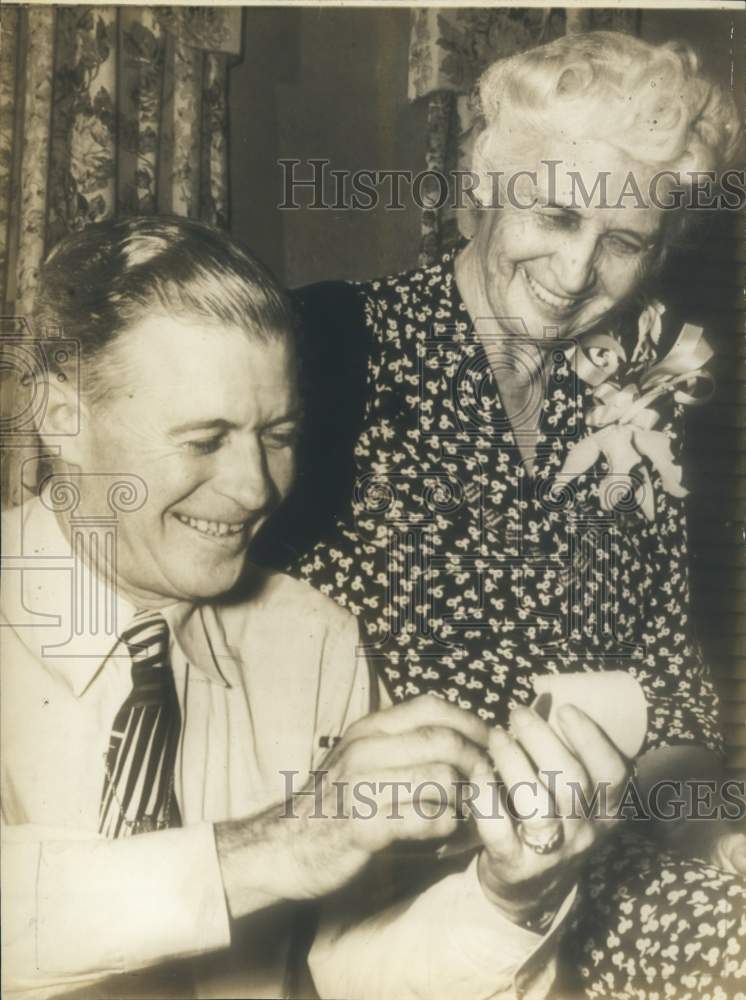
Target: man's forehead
195, 363
183, 338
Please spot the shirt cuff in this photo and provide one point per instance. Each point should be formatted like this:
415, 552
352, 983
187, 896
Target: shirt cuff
107, 906
492, 932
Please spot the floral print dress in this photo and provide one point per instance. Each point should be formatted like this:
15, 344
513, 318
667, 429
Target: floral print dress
470, 577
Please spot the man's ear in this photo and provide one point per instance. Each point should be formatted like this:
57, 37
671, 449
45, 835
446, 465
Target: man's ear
60, 423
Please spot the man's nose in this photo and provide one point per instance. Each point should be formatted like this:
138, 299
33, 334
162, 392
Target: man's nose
574, 264
243, 475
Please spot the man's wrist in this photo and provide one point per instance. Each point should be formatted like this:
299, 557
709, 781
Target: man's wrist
247, 866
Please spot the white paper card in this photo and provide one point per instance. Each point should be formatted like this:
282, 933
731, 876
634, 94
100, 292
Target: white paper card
613, 699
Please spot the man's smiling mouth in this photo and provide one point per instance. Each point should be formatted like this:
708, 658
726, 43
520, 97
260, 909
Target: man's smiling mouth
561, 304
213, 529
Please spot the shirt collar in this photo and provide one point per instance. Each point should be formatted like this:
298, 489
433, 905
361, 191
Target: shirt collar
37, 592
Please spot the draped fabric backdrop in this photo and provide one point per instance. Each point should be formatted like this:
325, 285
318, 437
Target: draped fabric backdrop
104, 111
448, 51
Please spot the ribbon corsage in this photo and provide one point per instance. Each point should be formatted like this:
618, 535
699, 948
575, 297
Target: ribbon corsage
622, 410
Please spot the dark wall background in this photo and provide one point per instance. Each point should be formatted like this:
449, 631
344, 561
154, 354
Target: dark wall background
329, 83
332, 83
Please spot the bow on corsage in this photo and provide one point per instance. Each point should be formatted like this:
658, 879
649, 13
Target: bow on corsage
622, 412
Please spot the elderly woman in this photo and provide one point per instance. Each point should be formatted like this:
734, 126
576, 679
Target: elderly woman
514, 506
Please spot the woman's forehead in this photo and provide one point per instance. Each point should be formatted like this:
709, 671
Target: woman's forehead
587, 177
562, 161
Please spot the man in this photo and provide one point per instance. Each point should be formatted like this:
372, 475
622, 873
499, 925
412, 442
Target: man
162, 699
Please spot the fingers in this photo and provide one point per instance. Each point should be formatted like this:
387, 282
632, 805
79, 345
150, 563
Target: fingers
414, 825
397, 773
431, 788
404, 804
530, 801
415, 749
604, 764
426, 710
489, 808
548, 785
557, 767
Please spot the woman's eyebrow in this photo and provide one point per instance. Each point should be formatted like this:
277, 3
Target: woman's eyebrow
631, 232
646, 239
571, 208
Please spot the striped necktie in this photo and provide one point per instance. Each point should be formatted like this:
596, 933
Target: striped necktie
138, 793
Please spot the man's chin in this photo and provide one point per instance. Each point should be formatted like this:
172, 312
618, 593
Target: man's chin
203, 585
214, 590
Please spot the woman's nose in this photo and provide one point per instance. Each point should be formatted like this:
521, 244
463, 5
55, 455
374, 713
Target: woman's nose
575, 264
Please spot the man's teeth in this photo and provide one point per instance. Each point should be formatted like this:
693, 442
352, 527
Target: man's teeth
216, 528
549, 298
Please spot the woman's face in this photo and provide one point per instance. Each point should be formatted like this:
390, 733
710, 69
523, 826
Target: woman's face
556, 266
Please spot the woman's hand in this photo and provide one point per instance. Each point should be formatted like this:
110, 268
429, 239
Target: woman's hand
547, 788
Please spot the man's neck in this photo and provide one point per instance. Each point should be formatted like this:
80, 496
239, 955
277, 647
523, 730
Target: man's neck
89, 548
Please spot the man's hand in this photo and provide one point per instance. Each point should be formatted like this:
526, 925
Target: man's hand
545, 780
318, 842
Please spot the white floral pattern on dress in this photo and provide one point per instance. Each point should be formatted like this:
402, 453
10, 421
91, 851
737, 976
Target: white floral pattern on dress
469, 576
655, 926
461, 571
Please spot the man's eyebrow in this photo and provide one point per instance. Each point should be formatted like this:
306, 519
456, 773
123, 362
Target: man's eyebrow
203, 425
291, 417
219, 424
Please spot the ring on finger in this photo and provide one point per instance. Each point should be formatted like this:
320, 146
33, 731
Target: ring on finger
542, 845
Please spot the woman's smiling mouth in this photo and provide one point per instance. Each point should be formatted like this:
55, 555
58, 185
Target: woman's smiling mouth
558, 304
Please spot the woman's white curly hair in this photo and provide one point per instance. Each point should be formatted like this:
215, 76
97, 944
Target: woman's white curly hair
650, 101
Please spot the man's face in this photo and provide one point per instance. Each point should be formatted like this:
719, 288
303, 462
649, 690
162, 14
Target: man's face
206, 417
561, 266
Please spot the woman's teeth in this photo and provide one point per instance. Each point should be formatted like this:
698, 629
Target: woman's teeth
557, 302
216, 528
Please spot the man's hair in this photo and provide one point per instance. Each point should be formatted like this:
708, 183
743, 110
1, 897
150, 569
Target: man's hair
97, 283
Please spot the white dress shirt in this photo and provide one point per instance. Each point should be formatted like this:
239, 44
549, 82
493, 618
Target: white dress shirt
264, 686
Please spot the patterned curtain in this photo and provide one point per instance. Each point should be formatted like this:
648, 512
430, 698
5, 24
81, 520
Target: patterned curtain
448, 51
104, 111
